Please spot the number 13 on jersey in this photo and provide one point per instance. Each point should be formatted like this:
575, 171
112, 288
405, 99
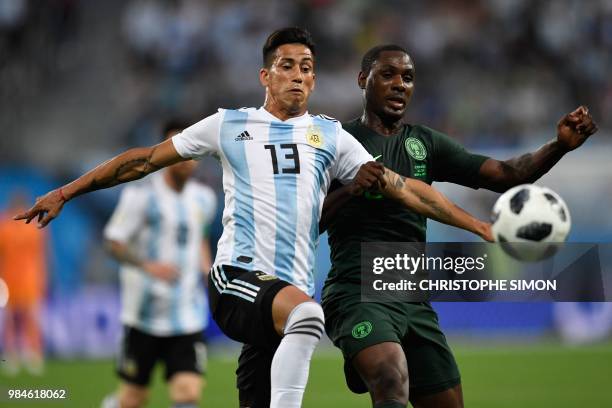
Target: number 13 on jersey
289, 155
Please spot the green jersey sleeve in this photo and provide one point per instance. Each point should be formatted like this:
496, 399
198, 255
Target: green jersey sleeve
453, 163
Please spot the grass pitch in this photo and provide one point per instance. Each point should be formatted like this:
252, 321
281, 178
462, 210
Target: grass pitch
546, 375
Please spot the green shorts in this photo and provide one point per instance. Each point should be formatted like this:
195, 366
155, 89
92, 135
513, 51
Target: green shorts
354, 326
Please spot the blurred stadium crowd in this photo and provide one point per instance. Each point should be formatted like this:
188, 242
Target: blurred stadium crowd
96, 74
82, 80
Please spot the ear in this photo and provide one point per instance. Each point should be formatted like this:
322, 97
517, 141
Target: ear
362, 79
264, 77
314, 77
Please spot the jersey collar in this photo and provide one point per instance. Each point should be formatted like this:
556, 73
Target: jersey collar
271, 117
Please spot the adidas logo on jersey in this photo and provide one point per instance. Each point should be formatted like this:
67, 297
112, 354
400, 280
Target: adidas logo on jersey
243, 136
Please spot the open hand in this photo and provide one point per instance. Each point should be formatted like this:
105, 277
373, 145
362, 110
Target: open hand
46, 208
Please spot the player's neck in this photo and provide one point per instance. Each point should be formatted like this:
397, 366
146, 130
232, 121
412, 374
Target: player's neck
380, 125
175, 183
282, 112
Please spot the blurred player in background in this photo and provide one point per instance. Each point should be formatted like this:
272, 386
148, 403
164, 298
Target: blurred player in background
277, 163
24, 269
404, 355
159, 233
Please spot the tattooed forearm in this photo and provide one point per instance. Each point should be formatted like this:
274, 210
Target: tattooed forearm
506, 169
527, 168
94, 185
525, 162
135, 168
127, 170
399, 182
522, 168
519, 165
423, 199
130, 165
440, 212
132, 169
395, 180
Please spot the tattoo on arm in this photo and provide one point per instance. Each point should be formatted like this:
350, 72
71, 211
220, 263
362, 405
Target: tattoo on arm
439, 211
131, 168
525, 162
526, 168
518, 168
398, 182
141, 166
395, 180
94, 185
429, 202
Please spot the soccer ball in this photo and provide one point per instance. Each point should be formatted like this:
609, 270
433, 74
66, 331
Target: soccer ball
530, 222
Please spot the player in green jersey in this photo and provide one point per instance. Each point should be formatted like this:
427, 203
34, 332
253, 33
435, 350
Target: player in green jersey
396, 351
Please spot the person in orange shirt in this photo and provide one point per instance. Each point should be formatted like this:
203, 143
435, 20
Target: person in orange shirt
23, 269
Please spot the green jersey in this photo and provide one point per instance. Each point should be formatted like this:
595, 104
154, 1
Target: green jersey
417, 152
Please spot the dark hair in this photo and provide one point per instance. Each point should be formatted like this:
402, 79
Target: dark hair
173, 124
372, 55
289, 35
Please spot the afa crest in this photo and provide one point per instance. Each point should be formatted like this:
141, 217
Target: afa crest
314, 136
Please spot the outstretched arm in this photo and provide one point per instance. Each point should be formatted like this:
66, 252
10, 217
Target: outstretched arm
429, 202
572, 131
414, 194
127, 166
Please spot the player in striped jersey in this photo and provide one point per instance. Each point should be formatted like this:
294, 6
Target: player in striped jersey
277, 165
158, 233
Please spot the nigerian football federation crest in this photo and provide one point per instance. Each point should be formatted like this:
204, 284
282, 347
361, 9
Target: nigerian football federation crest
416, 148
362, 329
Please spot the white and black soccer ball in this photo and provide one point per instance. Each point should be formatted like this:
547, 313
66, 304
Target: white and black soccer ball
530, 222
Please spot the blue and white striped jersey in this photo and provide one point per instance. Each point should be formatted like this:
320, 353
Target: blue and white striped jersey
275, 177
160, 224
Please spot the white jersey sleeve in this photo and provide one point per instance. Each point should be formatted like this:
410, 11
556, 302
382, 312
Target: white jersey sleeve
350, 156
199, 139
128, 216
